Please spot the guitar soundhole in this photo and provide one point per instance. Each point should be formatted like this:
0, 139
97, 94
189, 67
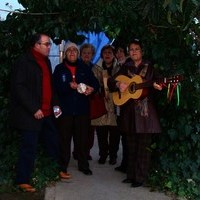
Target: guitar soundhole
132, 88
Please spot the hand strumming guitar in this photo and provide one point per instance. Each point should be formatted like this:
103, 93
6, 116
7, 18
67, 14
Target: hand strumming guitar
122, 86
157, 86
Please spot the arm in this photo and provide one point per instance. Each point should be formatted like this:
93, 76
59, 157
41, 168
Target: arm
93, 83
62, 80
24, 85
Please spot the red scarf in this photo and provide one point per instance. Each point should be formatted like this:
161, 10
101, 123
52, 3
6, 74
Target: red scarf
46, 82
72, 69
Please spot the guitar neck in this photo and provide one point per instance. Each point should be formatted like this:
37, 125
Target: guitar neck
174, 79
143, 85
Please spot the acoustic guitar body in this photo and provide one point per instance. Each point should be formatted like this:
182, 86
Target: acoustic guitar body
132, 92
138, 88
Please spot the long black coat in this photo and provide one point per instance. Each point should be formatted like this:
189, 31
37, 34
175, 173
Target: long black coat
26, 93
131, 118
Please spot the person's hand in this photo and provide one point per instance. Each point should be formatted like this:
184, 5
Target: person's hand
88, 90
39, 114
122, 86
73, 85
57, 111
157, 86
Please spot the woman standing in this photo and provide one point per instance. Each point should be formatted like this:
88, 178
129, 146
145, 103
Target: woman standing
106, 125
87, 52
74, 83
139, 119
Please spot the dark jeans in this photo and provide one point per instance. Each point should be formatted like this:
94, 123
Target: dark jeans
28, 148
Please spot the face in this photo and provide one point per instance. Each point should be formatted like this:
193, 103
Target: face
86, 55
135, 52
71, 54
120, 55
108, 56
43, 46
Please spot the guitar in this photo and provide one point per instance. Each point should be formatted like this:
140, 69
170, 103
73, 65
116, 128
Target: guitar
137, 88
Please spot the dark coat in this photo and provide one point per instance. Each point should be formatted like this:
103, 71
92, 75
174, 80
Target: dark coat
26, 93
73, 103
130, 112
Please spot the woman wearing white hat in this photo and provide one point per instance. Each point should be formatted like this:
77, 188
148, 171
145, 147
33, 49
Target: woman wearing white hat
74, 83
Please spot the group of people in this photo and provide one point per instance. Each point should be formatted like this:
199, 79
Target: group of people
56, 108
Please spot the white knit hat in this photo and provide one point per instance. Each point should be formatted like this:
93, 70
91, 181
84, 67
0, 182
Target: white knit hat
71, 44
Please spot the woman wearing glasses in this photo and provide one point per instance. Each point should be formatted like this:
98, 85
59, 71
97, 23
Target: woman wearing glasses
139, 120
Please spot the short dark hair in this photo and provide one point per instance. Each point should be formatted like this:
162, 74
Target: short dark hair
108, 46
35, 38
135, 41
121, 47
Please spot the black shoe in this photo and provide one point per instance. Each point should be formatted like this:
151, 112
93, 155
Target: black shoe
128, 180
86, 171
102, 160
136, 184
112, 161
120, 169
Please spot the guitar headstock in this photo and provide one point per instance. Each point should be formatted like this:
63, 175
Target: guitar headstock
172, 79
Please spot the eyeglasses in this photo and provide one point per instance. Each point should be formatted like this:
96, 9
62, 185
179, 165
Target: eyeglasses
47, 44
134, 49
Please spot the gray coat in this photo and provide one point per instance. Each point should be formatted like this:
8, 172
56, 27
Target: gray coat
109, 118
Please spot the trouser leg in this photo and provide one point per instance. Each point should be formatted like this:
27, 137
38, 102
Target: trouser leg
65, 126
131, 145
114, 139
90, 139
138, 156
143, 157
27, 154
81, 140
74, 152
124, 151
102, 137
50, 138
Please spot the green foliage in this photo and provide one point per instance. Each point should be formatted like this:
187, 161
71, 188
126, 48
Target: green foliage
46, 171
178, 154
176, 159
170, 33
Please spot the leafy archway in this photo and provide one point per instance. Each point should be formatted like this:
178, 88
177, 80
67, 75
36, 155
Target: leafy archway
170, 32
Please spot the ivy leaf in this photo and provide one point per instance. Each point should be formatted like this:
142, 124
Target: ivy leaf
169, 17
172, 133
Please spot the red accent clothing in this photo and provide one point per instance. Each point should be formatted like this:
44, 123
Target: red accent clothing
72, 69
46, 83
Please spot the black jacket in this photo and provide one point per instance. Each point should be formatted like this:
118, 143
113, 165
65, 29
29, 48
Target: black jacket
73, 103
26, 93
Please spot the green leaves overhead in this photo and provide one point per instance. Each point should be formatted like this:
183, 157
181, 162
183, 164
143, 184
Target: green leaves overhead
100, 15
170, 32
